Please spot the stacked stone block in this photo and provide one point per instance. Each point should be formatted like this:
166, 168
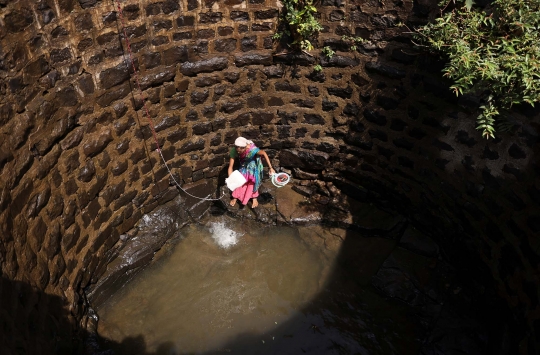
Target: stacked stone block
78, 161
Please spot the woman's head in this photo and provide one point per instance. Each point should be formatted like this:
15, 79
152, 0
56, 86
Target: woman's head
241, 143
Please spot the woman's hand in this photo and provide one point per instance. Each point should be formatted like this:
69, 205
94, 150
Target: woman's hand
272, 171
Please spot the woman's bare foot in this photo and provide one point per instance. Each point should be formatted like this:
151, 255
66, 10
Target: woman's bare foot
233, 202
255, 203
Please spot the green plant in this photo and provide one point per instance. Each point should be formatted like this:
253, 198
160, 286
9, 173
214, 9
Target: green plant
277, 36
299, 22
327, 51
317, 67
353, 41
492, 52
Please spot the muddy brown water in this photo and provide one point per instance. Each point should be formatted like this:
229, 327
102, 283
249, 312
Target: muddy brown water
230, 287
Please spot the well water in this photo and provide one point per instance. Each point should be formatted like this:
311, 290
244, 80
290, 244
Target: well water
229, 287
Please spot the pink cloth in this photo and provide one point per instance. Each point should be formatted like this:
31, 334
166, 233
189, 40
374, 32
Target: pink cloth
245, 192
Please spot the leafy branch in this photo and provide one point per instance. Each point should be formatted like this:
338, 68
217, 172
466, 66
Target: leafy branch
299, 22
492, 52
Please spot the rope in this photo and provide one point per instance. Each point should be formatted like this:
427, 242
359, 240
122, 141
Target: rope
150, 122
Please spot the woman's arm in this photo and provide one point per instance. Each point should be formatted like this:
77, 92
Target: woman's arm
231, 163
263, 153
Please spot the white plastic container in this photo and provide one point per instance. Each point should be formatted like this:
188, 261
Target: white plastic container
235, 180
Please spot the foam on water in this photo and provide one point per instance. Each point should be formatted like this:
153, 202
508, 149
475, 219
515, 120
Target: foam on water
222, 235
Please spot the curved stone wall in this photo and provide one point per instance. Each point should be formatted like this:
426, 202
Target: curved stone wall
78, 166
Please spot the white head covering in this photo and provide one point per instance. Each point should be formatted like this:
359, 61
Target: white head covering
242, 142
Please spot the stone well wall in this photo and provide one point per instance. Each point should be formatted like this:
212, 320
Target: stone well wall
78, 166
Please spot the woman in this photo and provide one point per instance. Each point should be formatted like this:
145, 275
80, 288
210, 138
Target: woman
251, 168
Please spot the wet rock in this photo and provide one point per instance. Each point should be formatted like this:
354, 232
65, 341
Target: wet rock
37, 202
255, 101
109, 18
119, 168
265, 26
264, 215
87, 172
239, 16
17, 21
50, 134
204, 66
158, 78
114, 94
47, 15
338, 61
113, 192
418, 242
199, 97
295, 58
158, 41
202, 189
230, 107
185, 21
262, 117
275, 101
328, 105
202, 128
225, 45
295, 208
167, 122
175, 103
191, 146
207, 81
386, 20
248, 43
59, 32
375, 117
319, 76
87, 3
385, 70
359, 80
86, 84
131, 12
312, 118
345, 93
253, 59
175, 55
303, 159
286, 86
95, 145
266, 14
307, 191
114, 76
210, 17
300, 174
60, 55
139, 247
225, 31
304, 103
35, 70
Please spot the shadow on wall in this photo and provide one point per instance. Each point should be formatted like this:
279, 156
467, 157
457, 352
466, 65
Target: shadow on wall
32, 322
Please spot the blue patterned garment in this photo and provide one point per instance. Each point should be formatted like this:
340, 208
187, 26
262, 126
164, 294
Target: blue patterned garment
250, 165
